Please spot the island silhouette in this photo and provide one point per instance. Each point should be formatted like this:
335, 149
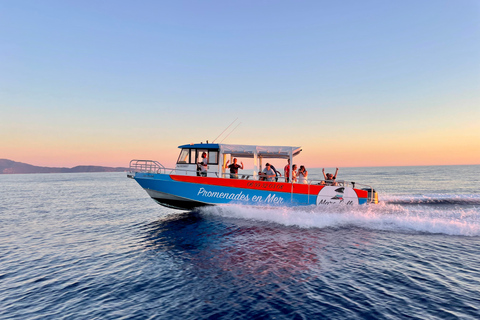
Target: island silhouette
14, 167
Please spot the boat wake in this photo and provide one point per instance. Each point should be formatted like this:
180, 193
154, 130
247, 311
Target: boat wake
437, 215
468, 200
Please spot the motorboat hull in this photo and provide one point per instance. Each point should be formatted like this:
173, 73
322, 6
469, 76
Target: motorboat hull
189, 192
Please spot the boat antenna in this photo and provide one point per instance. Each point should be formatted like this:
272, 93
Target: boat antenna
231, 132
225, 130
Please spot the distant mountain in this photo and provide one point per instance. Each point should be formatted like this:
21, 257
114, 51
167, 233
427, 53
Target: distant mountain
12, 167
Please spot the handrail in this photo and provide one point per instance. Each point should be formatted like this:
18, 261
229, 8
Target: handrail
146, 166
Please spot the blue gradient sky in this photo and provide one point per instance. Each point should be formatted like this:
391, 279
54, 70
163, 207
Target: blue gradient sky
355, 83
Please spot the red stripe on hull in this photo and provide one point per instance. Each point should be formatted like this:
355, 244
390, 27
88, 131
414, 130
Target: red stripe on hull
361, 193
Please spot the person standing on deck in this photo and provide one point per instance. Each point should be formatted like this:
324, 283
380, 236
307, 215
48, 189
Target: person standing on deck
286, 171
203, 165
294, 173
302, 175
234, 168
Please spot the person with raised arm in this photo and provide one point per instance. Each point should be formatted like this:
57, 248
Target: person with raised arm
330, 178
234, 168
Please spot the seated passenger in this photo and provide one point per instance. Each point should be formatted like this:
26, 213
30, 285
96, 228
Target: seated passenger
330, 178
234, 168
302, 175
261, 176
268, 173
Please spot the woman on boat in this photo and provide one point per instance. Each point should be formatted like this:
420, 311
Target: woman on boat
302, 175
294, 173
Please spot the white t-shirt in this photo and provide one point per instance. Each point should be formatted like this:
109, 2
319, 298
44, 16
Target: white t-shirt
301, 178
203, 166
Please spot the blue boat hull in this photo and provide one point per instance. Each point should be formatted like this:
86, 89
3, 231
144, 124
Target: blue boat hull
190, 192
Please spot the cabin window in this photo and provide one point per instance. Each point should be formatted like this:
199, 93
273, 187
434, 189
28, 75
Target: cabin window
194, 156
212, 157
184, 156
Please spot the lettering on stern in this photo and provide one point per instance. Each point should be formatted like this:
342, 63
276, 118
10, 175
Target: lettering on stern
333, 195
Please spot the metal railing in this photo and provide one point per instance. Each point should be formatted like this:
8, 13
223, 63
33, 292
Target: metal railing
146, 166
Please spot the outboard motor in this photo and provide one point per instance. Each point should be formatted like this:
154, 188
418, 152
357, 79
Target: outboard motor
372, 195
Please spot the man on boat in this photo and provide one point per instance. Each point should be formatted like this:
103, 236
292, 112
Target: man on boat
277, 173
234, 168
268, 173
286, 171
203, 165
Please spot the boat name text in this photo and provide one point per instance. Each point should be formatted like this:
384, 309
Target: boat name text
271, 198
326, 202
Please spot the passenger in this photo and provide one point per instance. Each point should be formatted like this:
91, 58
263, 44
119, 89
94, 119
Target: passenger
277, 173
294, 173
268, 173
234, 168
286, 171
330, 178
302, 175
261, 176
203, 165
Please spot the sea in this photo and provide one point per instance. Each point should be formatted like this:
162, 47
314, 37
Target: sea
95, 246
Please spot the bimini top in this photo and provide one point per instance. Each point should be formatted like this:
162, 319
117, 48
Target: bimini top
248, 151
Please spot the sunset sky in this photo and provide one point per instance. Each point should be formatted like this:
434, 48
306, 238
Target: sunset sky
355, 83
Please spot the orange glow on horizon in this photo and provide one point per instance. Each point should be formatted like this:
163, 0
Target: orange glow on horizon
405, 156
461, 147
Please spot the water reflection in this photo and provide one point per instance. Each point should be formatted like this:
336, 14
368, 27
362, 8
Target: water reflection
240, 249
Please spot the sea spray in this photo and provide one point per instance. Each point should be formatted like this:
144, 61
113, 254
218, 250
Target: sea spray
384, 216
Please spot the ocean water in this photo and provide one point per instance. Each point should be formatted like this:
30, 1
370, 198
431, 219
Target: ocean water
95, 246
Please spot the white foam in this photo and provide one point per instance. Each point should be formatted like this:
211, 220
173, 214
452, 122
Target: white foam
433, 198
384, 216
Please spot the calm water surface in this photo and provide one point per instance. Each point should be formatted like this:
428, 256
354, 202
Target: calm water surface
95, 246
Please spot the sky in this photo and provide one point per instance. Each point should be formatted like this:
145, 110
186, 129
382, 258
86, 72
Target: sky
354, 83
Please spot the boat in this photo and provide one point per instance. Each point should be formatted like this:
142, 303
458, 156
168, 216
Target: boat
186, 187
